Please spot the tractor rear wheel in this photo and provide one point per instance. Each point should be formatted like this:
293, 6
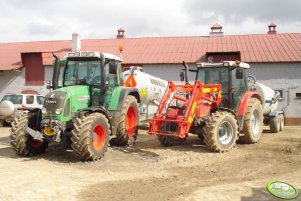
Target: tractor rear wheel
167, 140
221, 131
23, 143
127, 123
253, 122
90, 136
275, 124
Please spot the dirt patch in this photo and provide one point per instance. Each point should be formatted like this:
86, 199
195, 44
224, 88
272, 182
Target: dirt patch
148, 171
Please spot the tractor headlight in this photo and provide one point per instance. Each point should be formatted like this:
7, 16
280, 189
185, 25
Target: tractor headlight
58, 111
44, 110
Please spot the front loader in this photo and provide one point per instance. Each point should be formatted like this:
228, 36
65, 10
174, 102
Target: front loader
191, 107
90, 109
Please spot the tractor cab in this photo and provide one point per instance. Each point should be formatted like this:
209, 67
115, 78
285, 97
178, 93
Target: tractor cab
101, 72
232, 77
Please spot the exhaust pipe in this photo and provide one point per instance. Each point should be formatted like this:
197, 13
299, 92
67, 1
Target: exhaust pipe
56, 72
186, 72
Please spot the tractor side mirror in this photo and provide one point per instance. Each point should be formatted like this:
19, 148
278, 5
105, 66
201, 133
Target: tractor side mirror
182, 76
239, 73
112, 68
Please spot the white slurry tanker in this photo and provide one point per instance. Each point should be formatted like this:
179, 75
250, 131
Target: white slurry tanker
151, 90
272, 117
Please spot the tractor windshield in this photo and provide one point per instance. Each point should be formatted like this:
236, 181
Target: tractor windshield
214, 75
82, 73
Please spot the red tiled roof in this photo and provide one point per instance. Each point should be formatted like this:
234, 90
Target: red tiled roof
256, 48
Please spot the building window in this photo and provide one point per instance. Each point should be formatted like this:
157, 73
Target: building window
298, 95
281, 92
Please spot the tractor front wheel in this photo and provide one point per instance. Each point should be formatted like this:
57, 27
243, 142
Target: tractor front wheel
90, 136
22, 142
126, 122
167, 140
253, 122
221, 131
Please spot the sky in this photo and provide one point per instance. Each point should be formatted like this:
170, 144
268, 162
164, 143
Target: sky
43, 20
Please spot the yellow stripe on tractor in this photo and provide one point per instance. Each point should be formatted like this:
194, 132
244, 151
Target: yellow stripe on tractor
208, 90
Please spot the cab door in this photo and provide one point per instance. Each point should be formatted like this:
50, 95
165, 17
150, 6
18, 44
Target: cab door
237, 89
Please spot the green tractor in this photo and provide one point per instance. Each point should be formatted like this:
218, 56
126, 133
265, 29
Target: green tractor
91, 109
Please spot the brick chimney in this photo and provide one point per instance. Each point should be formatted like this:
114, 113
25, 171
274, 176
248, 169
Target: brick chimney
272, 29
120, 33
76, 42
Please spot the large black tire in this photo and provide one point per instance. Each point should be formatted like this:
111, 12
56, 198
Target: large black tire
126, 123
221, 131
4, 123
22, 142
253, 122
90, 136
275, 124
168, 141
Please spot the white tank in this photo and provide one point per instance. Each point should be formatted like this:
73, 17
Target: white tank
6, 108
268, 95
151, 90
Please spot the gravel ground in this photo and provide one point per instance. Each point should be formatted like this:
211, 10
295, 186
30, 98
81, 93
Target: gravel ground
148, 171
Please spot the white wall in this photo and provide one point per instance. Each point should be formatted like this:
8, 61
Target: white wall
286, 76
169, 71
14, 82
277, 76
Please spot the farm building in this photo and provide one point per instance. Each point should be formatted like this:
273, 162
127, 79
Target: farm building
275, 59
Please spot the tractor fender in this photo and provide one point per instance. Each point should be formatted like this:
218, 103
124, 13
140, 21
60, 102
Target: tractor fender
242, 107
228, 110
125, 92
99, 109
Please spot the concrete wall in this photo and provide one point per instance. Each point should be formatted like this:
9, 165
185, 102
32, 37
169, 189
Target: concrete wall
168, 71
14, 82
286, 76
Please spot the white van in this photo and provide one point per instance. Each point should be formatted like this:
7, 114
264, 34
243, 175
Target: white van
12, 105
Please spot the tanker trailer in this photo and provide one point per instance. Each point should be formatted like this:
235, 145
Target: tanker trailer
272, 117
151, 90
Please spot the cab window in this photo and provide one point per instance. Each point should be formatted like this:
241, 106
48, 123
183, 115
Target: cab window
40, 100
29, 99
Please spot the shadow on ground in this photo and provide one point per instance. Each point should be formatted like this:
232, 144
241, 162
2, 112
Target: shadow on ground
261, 194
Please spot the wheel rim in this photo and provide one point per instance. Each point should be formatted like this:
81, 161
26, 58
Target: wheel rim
99, 137
255, 122
34, 143
130, 122
225, 133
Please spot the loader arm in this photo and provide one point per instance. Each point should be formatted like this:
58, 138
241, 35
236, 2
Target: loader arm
199, 97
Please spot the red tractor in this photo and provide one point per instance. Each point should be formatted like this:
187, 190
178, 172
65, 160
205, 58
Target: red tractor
218, 107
